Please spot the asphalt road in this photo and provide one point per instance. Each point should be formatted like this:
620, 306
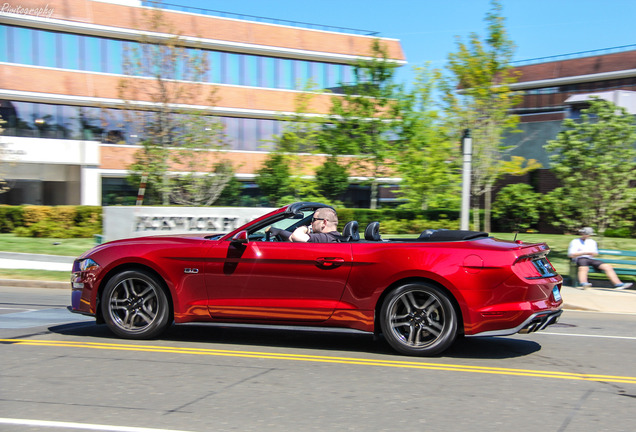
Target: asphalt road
60, 371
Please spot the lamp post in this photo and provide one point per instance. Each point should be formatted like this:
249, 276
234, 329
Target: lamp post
467, 150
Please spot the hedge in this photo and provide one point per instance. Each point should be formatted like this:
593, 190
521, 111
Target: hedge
51, 221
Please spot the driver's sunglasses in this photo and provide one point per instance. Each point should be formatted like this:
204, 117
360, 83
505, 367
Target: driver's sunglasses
314, 219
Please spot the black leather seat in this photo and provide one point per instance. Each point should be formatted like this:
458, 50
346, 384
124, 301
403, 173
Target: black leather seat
372, 232
350, 232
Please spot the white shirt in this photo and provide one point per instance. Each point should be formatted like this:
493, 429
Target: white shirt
578, 245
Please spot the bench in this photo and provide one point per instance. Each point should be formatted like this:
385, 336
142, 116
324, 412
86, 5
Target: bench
627, 266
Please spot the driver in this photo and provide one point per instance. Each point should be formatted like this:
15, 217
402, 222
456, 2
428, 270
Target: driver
323, 228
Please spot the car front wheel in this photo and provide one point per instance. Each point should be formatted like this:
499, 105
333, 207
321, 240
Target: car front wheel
418, 319
135, 306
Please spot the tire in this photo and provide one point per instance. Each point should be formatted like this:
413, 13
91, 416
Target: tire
135, 306
418, 319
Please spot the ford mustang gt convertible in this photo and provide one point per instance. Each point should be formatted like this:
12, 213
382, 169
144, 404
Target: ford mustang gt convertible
420, 293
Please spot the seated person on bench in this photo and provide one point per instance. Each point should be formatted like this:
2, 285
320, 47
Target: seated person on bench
582, 251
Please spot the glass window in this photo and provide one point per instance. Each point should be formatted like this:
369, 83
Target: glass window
266, 132
266, 72
232, 131
91, 54
4, 44
249, 134
114, 51
285, 75
216, 67
232, 69
24, 119
24, 52
68, 51
46, 53
244, 69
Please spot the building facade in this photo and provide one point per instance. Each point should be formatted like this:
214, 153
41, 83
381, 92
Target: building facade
556, 88
559, 87
66, 137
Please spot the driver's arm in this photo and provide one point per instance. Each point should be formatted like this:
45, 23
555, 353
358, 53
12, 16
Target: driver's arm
300, 234
282, 234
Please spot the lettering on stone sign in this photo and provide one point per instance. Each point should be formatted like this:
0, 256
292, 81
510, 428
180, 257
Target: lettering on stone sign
187, 223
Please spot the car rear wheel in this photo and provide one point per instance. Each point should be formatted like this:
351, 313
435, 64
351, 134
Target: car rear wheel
418, 319
135, 306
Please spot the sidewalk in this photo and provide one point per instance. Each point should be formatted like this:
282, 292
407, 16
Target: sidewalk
594, 299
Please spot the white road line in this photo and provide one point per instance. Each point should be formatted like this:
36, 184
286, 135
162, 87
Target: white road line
85, 426
588, 335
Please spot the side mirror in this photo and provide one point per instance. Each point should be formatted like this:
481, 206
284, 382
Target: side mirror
240, 237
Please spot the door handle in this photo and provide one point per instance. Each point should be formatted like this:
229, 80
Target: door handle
330, 262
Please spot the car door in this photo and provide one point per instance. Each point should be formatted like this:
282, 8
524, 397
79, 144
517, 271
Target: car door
277, 281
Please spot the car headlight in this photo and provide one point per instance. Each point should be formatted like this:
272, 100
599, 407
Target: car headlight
88, 264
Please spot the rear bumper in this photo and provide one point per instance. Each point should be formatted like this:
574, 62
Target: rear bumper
537, 321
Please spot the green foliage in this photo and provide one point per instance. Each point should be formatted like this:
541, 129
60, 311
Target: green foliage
595, 160
57, 222
516, 207
482, 70
10, 218
400, 221
427, 161
332, 179
273, 178
363, 119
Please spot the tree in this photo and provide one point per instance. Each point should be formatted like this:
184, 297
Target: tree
517, 207
426, 160
362, 120
595, 160
284, 174
174, 137
332, 179
477, 96
273, 178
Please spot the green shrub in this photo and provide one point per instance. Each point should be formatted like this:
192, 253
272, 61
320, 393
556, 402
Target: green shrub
10, 218
34, 214
516, 208
53, 222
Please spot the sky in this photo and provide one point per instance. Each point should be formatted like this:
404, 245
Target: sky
428, 29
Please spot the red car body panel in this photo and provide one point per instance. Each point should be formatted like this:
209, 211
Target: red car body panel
495, 285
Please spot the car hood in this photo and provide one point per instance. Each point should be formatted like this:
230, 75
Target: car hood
154, 240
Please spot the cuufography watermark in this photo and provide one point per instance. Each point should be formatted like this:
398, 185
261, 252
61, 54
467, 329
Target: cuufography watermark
42, 11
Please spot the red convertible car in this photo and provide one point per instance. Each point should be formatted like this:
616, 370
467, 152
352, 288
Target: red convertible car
419, 293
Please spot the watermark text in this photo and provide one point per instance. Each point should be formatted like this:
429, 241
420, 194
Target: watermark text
43, 11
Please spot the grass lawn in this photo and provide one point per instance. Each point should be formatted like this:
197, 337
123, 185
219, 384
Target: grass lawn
49, 246
40, 275
74, 247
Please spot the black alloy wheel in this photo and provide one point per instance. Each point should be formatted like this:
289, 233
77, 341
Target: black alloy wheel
135, 306
419, 319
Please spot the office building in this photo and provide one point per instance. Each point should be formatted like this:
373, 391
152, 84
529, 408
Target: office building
67, 139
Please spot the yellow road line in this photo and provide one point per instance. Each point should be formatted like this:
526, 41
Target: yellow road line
326, 359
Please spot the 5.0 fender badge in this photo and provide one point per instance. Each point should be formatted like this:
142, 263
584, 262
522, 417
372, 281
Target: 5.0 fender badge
191, 270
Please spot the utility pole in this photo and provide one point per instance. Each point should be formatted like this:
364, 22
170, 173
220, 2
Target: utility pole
467, 150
